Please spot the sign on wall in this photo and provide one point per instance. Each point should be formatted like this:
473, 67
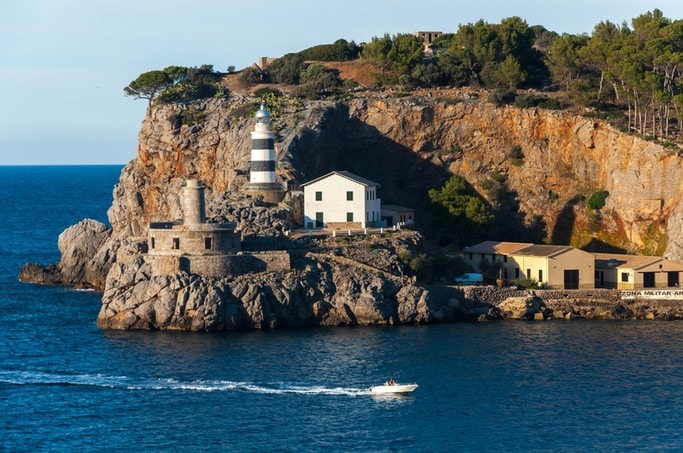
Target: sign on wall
667, 294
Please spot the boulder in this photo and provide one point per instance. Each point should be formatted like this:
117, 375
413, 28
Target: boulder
84, 261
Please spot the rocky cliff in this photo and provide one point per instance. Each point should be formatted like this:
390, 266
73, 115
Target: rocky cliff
412, 144
408, 145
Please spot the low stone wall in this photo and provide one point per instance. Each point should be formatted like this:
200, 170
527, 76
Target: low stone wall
511, 303
272, 261
216, 266
343, 227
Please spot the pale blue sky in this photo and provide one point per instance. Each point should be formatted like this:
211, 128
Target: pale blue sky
64, 63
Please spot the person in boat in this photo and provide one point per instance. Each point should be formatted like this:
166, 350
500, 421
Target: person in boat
391, 382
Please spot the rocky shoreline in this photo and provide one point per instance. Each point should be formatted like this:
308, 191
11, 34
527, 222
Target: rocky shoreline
323, 288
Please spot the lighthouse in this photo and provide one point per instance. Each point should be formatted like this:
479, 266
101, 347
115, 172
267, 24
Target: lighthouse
262, 150
262, 178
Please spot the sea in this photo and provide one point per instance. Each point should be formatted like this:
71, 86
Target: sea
68, 386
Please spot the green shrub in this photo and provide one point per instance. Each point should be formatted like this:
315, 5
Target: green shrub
495, 187
455, 149
262, 92
191, 116
502, 97
516, 156
252, 75
340, 50
287, 69
529, 100
597, 199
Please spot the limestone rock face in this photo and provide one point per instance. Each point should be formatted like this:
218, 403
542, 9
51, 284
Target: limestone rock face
84, 262
322, 294
408, 145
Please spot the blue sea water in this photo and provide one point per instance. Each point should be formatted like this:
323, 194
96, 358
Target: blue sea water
66, 385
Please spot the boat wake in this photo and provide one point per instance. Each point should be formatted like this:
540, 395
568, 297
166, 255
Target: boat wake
132, 383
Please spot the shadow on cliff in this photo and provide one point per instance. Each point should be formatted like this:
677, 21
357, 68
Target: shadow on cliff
347, 143
344, 142
510, 224
564, 224
596, 245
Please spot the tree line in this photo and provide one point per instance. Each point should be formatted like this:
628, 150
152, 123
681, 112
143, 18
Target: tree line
633, 68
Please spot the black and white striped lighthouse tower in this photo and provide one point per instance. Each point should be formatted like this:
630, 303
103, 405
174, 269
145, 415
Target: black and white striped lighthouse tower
262, 150
262, 178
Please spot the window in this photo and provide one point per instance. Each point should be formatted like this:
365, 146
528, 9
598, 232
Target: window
528, 274
152, 242
540, 275
624, 276
176, 244
207, 244
349, 195
318, 196
470, 256
516, 272
505, 258
349, 216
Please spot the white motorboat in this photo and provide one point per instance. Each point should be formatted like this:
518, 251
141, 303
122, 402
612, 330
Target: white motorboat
393, 387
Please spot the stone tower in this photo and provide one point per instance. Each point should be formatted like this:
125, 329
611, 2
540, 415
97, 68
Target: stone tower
262, 178
193, 203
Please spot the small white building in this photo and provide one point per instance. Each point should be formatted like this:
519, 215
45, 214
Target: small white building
397, 215
341, 200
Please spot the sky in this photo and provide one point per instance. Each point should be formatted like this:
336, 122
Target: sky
64, 63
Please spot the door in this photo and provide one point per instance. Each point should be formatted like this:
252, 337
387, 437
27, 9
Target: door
648, 280
571, 279
319, 223
672, 279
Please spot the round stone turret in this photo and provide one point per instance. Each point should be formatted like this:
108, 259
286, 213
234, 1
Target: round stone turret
193, 203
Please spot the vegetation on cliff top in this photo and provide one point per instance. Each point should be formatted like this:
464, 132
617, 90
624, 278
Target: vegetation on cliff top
633, 69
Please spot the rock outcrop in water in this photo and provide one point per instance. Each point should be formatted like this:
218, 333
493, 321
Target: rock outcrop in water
85, 260
407, 144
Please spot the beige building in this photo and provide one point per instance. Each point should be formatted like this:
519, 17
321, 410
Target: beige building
635, 272
552, 266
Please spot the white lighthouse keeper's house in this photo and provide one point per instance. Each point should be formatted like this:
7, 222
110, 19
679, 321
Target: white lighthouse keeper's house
341, 200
